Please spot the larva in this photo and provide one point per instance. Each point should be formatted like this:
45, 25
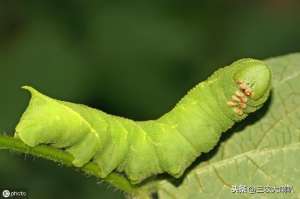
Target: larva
142, 149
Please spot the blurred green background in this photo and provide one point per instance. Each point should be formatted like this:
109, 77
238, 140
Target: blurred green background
130, 58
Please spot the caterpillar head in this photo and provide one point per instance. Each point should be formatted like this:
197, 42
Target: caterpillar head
253, 79
256, 75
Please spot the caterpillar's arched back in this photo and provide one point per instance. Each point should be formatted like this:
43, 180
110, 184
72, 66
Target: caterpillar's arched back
142, 149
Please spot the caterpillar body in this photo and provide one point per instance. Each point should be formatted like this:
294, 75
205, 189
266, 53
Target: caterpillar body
142, 149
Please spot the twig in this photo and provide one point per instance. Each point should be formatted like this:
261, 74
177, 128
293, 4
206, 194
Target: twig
63, 157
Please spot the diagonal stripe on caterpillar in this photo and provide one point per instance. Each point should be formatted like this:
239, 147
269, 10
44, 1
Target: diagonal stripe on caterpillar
142, 149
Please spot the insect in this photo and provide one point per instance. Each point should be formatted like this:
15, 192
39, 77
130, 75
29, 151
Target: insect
142, 149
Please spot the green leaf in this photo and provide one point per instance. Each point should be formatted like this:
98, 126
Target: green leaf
261, 151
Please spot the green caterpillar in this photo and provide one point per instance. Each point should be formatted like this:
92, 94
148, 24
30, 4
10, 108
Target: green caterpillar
142, 149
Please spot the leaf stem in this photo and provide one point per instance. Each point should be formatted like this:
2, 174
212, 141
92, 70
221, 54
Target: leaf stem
50, 153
